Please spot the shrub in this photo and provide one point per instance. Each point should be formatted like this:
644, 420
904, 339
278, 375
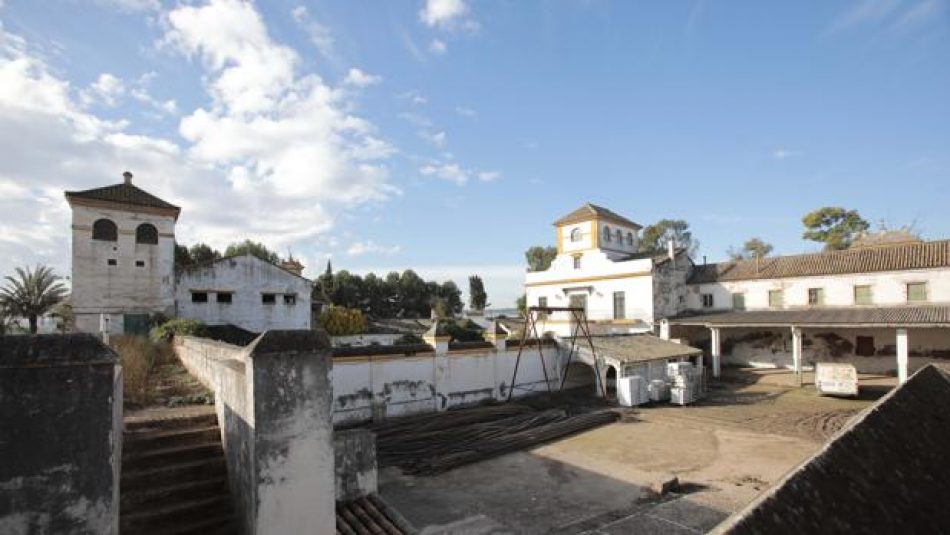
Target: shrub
340, 321
183, 327
408, 338
138, 356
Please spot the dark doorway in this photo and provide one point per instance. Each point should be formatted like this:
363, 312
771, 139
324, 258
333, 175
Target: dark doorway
611, 383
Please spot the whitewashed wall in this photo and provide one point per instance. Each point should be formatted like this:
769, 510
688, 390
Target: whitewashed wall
385, 386
99, 288
888, 288
247, 278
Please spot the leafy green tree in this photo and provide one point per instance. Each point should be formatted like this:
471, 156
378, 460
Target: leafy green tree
834, 226
257, 249
522, 304
32, 293
477, 298
752, 248
202, 253
452, 295
341, 321
540, 258
655, 237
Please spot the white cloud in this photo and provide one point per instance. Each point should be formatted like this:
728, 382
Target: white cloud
451, 172
923, 12
319, 34
448, 15
489, 176
438, 47
131, 5
413, 96
784, 154
274, 155
863, 13
438, 139
371, 247
466, 112
357, 78
107, 89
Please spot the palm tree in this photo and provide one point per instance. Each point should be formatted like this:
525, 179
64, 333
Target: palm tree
32, 293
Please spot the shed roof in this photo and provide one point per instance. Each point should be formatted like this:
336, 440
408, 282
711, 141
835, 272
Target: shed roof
123, 193
885, 472
888, 257
590, 211
896, 316
638, 347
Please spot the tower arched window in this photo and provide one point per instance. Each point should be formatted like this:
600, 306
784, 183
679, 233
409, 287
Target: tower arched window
105, 230
606, 233
576, 234
630, 239
146, 233
618, 235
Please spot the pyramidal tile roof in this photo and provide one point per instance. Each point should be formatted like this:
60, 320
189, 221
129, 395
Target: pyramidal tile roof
896, 257
123, 193
590, 211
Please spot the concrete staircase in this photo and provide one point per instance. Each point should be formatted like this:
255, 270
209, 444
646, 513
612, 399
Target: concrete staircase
174, 479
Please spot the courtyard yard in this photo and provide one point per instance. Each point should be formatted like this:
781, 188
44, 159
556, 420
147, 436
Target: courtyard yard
752, 427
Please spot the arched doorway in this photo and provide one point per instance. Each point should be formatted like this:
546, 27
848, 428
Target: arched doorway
579, 375
610, 382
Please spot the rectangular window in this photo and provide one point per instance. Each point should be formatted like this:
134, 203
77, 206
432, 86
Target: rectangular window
199, 297
577, 262
268, 299
112, 262
224, 297
816, 296
738, 301
620, 305
776, 298
863, 295
543, 302
140, 263
579, 301
916, 292
290, 299
707, 300
864, 346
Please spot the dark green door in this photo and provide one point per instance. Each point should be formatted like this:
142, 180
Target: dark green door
135, 324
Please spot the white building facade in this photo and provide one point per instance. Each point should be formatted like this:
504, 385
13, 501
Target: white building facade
598, 268
123, 256
245, 291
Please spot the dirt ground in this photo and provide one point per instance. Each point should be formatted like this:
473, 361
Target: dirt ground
751, 429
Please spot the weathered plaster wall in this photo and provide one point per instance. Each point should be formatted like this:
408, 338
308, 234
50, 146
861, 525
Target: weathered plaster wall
273, 400
99, 288
669, 286
60, 444
246, 278
383, 386
355, 463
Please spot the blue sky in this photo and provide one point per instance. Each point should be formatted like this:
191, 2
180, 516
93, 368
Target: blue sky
446, 135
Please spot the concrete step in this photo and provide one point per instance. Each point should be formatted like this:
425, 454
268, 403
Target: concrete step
134, 479
172, 455
161, 495
174, 517
171, 421
140, 441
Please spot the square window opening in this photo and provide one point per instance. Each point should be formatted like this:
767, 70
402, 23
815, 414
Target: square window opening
140, 263
112, 262
224, 297
268, 299
199, 297
707, 300
916, 292
290, 299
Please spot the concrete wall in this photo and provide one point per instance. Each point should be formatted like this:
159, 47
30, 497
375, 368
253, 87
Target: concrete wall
669, 286
99, 288
60, 444
273, 401
246, 278
888, 288
357, 340
355, 463
384, 386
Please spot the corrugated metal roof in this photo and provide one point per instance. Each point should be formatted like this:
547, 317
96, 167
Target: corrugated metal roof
637, 347
884, 472
883, 316
591, 211
122, 193
897, 257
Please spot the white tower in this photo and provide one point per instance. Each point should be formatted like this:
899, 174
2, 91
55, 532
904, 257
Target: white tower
123, 257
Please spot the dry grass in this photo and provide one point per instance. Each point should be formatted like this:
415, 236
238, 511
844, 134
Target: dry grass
140, 357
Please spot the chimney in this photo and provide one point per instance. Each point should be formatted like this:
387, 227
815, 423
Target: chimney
704, 260
127, 176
